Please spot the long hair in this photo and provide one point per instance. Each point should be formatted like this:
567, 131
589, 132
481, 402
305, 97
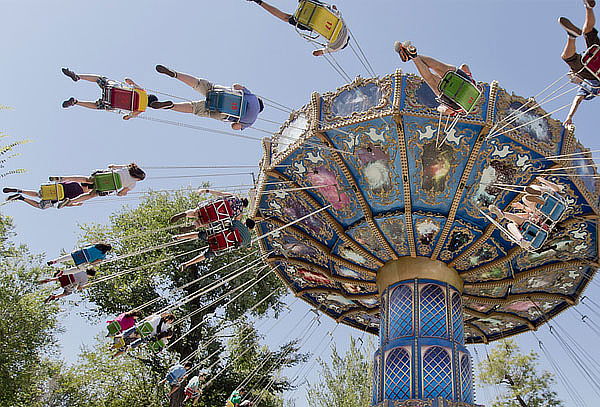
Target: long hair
136, 172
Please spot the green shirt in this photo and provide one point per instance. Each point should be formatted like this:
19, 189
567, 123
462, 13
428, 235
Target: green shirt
244, 232
234, 399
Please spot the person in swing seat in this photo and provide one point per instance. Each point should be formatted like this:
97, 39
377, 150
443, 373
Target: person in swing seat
88, 255
431, 70
341, 41
72, 190
69, 282
129, 175
237, 207
199, 108
104, 82
589, 85
243, 228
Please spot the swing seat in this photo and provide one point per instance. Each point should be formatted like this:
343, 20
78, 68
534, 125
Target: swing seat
80, 257
459, 93
215, 211
224, 241
52, 192
144, 329
591, 60
319, 19
553, 207
107, 182
157, 346
534, 235
114, 328
133, 100
228, 102
119, 343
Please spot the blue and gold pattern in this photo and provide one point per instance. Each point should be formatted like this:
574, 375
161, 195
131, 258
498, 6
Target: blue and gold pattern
368, 152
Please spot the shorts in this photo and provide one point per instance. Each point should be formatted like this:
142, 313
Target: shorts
45, 204
72, 189
575, 62
589, 89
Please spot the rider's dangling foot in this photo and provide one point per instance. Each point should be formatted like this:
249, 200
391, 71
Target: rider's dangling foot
166, 71
406, 50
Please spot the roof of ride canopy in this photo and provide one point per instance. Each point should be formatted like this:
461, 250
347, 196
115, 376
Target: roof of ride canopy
367, 151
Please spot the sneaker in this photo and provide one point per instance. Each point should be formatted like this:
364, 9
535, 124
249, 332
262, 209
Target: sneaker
406, 50
569, 27
70, 74
166, 71
494, 210
54, 178
177, 217
187, 229
15, 197
589, 3
10, 190
69, 102
63, 203
161, 105
49, 262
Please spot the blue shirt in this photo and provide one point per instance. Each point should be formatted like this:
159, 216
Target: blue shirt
244, 232
175, 374
252, 109
590, 88
87, 255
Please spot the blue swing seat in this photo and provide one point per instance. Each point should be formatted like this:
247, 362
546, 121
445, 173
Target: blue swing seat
553, 207
228, 102
534, 234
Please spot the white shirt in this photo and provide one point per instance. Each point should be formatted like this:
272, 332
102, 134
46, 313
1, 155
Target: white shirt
154, 321
127, 181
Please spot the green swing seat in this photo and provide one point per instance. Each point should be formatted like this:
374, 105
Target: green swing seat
145, 329
157, 346
459, 93
114, 328
107, 182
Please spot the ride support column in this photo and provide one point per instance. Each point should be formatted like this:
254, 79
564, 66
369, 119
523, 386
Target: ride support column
422, 354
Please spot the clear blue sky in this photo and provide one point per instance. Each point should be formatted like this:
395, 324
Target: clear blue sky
515, 42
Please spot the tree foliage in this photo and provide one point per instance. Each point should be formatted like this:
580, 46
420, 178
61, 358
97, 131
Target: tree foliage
522, 383
27, 327
155, 275
346, 380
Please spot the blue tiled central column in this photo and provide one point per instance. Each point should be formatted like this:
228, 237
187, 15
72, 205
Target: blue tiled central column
422, 355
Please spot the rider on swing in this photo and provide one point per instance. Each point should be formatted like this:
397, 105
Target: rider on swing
589, 84
431, 70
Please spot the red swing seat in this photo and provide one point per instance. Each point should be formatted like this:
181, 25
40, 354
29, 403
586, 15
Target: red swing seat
224, 241
215, 211
591, 60
133, 100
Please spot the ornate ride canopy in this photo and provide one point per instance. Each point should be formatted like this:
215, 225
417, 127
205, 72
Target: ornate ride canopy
368, 151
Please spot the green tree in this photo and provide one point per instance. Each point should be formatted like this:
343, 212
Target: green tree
155, 275
517, 373
27, 327
346, 381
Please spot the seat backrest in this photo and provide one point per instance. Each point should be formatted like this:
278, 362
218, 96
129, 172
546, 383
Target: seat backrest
227, 102
52, 192
107, 181
319, 18
591, 60
215, 211
114, 328
157, 346
459, 90
224, 240
140, 100
120, 98
145, 329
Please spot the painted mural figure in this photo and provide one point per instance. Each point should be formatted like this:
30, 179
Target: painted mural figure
437, 164
588, 82
376, 168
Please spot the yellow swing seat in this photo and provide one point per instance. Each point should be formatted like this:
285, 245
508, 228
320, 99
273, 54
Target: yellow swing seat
319, 18
52, 192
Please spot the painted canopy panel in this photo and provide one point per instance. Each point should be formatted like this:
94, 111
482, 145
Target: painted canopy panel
376, 179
